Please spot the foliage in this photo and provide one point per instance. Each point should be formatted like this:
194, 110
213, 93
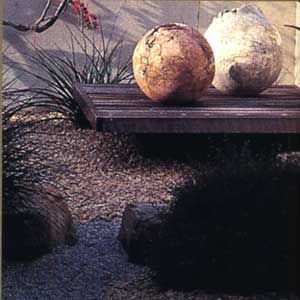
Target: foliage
23, 165
100, 62
227, 228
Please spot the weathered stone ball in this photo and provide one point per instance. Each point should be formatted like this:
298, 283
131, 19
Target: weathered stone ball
247, 51
173, 63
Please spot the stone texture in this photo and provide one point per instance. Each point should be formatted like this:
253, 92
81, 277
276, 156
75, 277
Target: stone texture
173, 62
139, 228
247, 49
37, 221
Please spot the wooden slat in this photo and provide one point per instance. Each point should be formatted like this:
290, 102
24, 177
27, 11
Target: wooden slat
121, 89
98, 88
124, 108
119, 102
86, 104
216, 125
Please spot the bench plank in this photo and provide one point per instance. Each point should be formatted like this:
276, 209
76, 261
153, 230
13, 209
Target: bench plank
124, 108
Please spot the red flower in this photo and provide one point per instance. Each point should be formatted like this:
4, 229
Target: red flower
86, 18
75, 5
89, 20
76, 8
93, 16
96, 25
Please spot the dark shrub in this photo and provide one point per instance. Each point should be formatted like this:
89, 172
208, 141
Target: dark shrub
228, 228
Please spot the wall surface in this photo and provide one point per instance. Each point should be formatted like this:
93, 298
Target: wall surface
297, 48
136, 17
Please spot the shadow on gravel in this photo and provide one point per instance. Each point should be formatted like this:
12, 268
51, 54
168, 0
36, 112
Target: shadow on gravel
195, 146
71, 272
233, 229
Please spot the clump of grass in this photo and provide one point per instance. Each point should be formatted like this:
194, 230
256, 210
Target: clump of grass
31, 198
24, 166
99, 60
228, 227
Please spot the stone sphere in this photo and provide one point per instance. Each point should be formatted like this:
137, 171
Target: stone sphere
247, 51
173, 63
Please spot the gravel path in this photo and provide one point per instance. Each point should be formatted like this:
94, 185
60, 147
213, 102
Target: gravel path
76, 272
100, 174
96, 268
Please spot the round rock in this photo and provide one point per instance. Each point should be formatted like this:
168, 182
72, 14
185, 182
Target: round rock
173, 63
247, 50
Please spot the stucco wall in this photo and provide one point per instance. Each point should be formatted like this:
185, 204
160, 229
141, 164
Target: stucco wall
136, 17
297, 48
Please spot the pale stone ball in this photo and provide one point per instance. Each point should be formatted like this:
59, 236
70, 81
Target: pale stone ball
247, 50
173, 63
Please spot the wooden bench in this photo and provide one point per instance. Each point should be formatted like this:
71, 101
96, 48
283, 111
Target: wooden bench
124, 108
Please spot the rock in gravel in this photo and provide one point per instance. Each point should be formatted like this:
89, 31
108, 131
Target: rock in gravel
34, 222
140, 226
247, 50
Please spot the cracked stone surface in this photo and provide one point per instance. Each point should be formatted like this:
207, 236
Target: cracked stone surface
247, 50
173, 62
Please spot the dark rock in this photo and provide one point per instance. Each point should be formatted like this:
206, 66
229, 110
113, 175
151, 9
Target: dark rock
37, 221
140, 228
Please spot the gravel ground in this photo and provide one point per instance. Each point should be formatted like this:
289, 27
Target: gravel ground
100, 174
72, 272
142, 288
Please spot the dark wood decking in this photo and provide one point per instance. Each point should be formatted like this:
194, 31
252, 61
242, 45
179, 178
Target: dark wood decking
124, 108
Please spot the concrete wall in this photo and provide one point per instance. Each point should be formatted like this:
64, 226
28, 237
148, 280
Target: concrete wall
297, 48
136, 17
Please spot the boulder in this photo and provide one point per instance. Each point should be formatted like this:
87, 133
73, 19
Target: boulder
34, 222
173, 63
247, 51
140, 228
